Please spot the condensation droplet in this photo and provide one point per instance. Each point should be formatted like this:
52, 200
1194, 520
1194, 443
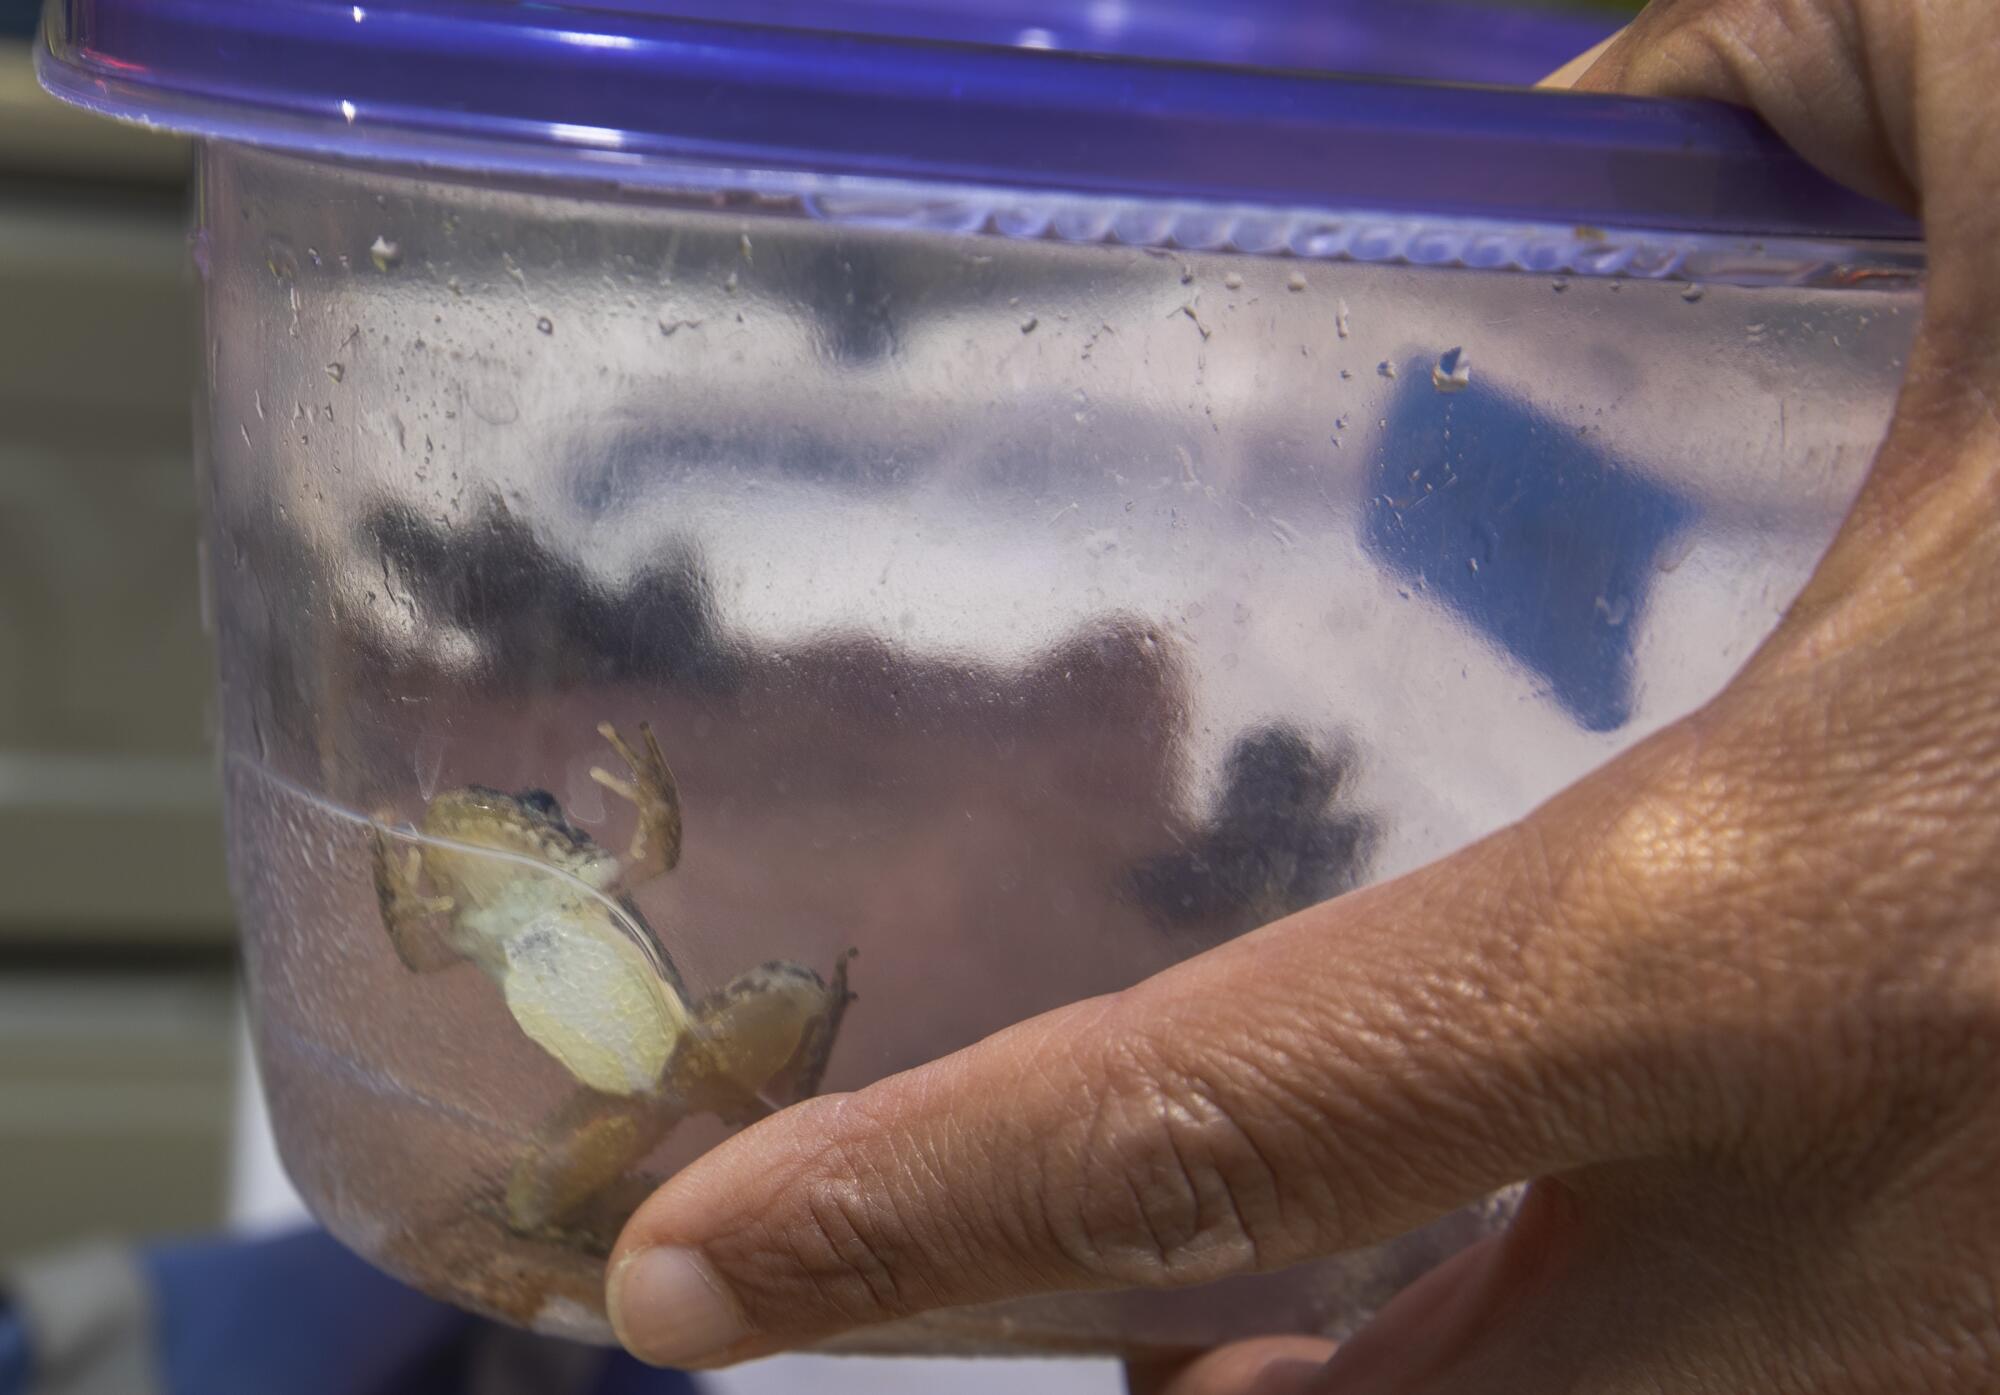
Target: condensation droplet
1340, 319
428, 763
545, 325
1234, 281
384, 253
336, 371
1675, 552
1559, 285
1386, 368
1028, 325
1692, 294
1296, 281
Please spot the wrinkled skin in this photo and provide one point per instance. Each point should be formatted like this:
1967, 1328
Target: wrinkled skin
1733, 1001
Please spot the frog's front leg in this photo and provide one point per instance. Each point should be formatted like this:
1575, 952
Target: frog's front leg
579, 1152
416, 922
656, 841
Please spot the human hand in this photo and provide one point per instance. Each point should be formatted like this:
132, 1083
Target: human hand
1734, 1000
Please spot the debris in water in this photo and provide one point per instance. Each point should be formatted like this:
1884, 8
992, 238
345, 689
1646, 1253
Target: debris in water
1452, 372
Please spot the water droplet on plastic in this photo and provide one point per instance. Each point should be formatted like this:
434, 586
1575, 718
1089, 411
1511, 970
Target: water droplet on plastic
279, 260
1452, 372
1559, 285
1233, 281
1691, 294
336, 371
1674, 552
1340, 319
584, 799
1028, 325
384, 253
1296, 281
428, 762
545, 325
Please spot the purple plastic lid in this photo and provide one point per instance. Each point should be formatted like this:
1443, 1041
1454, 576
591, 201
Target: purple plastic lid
1275, 103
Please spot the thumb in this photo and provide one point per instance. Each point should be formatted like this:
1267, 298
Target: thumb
1331, 1081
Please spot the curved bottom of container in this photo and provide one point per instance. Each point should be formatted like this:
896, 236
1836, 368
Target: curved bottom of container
458, 1248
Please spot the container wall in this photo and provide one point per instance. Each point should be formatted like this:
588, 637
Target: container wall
1022, 616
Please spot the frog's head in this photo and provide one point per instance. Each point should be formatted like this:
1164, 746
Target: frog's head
531, 823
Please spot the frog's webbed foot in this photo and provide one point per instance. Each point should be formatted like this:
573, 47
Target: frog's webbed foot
415, 921
656, 842
817, 1048
579, 1154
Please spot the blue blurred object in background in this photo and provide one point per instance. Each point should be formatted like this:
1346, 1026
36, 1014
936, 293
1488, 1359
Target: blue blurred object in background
295, 1312
1521, 526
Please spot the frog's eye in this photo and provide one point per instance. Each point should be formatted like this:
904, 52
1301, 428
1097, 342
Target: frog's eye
542, 802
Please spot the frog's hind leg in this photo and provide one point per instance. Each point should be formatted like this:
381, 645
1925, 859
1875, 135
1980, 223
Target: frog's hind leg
656, 841
769, 1034
416, 922
817, 1048
579, 1152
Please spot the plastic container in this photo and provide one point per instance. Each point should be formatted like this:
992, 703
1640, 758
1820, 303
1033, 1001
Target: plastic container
1053, 511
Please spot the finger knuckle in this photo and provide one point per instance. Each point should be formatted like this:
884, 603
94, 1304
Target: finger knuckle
1170, 1186
836, 1251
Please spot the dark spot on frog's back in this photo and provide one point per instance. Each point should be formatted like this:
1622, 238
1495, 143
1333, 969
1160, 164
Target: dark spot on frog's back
543, 803
548, 810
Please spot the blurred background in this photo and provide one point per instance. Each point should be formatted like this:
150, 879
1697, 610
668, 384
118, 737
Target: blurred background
122, 1104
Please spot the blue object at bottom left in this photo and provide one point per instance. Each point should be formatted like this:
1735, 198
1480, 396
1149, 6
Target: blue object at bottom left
294, 1312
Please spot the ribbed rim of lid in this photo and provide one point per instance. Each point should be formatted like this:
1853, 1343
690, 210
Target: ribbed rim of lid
637, 90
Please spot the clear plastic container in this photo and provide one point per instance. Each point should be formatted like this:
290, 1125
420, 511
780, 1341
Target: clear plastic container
700, 631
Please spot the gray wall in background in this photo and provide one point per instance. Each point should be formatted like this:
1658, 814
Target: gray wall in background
115, 935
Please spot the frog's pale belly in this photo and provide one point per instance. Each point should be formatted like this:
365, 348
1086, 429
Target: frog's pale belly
581, 990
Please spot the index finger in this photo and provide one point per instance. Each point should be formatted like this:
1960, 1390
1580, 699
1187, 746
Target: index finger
1330, 1081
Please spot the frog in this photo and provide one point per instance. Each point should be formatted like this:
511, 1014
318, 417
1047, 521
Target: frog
508, 883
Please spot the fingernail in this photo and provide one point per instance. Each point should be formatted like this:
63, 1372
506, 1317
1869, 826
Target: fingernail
669, 1308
